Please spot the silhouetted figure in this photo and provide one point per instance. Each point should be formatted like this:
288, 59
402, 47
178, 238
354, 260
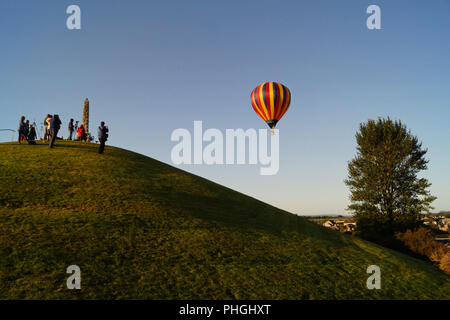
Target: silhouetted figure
102, 136
70, 128
22, 129
27, 125
31, 136
45, 124
47, 127
55, 125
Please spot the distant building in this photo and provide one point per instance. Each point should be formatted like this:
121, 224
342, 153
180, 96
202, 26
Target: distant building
340, 225
329, 224
350, 226
440, 222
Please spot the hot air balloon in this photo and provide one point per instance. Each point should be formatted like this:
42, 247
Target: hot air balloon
270, 101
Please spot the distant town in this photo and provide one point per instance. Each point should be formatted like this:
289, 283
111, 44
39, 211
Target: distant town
439, 223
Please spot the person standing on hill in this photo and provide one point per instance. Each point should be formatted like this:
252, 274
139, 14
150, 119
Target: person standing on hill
70, 128
31, 134
26, 129
47, 127
81, 133
22, 129
55, 125
102, 136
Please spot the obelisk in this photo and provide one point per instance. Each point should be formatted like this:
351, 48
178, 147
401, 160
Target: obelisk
86, 115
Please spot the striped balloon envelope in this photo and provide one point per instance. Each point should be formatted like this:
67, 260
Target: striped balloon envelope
270, 101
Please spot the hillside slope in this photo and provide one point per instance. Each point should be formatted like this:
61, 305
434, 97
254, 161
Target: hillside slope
139, 228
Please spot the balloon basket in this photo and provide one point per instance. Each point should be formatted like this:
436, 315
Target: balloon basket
272, 132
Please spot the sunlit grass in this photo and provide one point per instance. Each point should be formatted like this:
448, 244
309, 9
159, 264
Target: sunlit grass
139, 228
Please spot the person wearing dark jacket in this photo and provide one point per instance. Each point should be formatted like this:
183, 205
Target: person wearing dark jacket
27, 125
102, 136
70, 128
55, 125
22, 129
31, 136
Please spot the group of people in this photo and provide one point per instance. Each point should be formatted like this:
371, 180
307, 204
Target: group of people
26, 131
79, 131
52, 125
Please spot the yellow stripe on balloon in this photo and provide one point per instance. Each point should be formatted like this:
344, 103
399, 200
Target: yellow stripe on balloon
272, 111
255, 104
287, 102
260, 93
281, 99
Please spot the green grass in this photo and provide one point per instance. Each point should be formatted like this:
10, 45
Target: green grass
141, 229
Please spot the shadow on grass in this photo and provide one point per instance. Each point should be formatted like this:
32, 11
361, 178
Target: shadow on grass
91, 147
88, 147
253, 215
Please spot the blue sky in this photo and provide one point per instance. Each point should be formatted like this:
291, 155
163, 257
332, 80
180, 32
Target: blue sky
149, 67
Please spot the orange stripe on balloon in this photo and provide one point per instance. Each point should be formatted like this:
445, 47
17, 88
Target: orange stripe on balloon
275, 99
286, 103
257, 100
261, 101
271, 103
255, 105
281, 101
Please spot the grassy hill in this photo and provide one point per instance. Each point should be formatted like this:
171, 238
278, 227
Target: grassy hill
139, 228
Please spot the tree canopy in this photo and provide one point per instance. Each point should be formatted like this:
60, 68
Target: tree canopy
387, 195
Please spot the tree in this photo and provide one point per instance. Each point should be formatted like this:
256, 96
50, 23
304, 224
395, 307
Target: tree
86, 115
386, 194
